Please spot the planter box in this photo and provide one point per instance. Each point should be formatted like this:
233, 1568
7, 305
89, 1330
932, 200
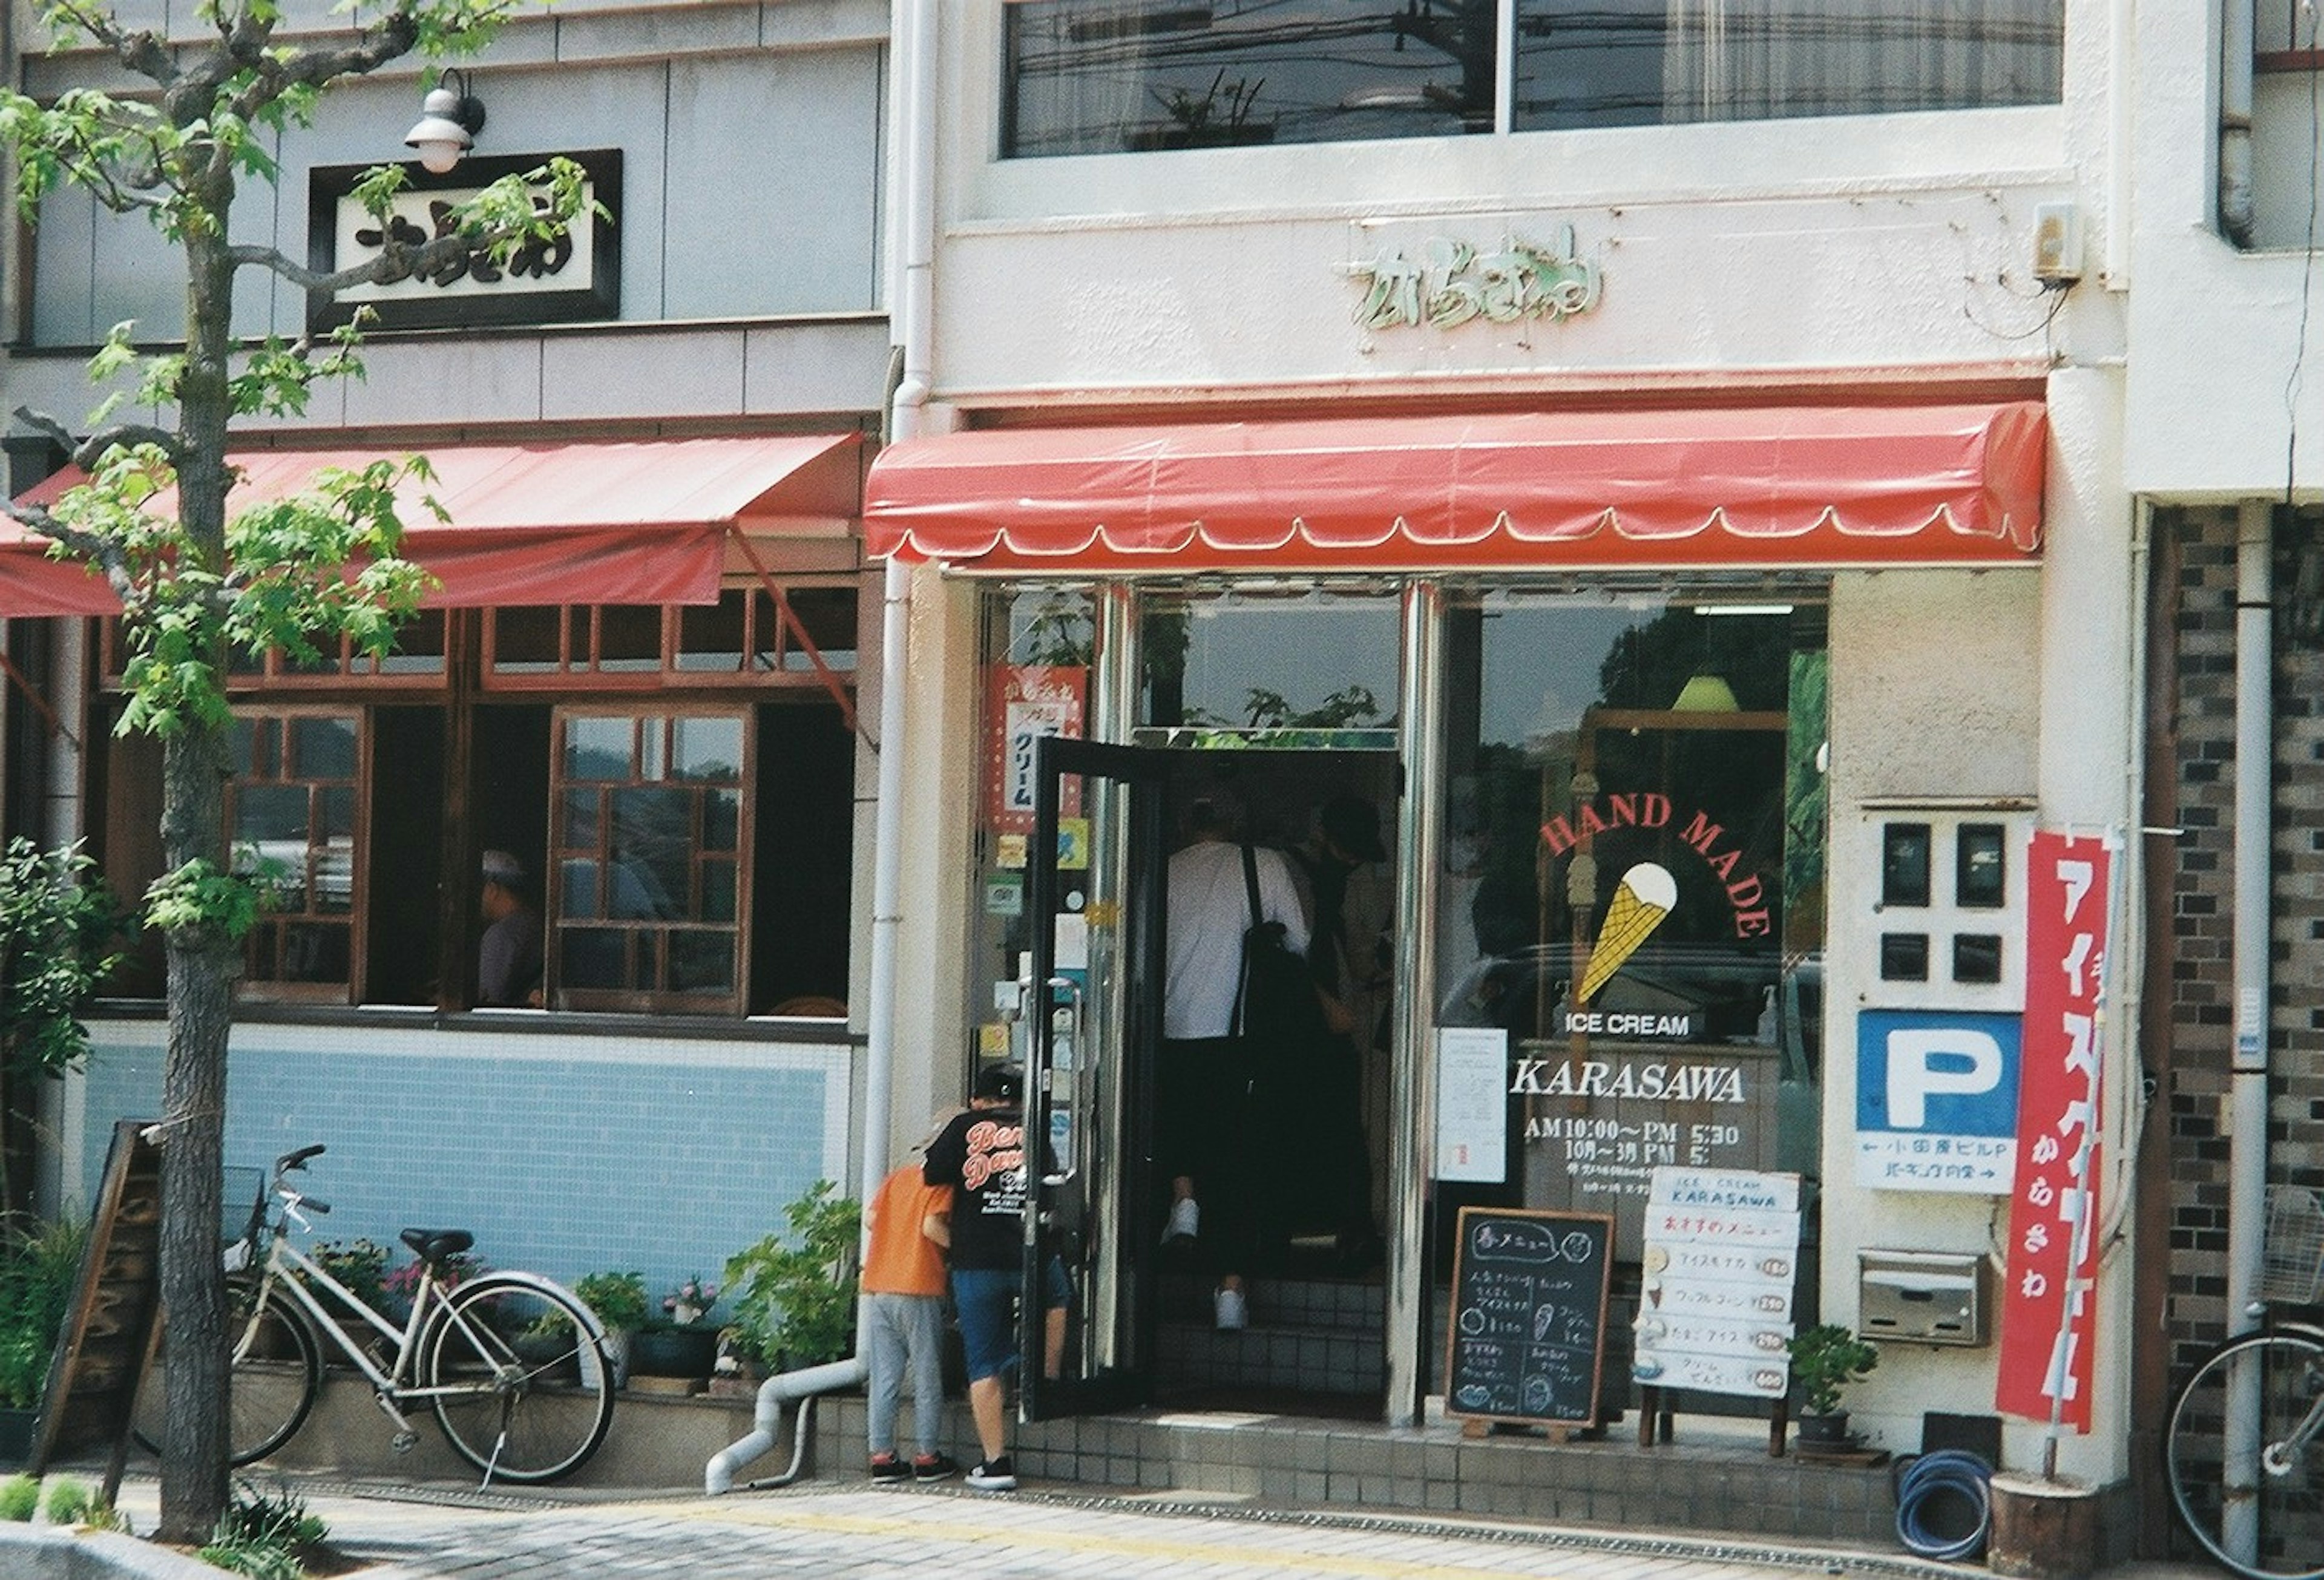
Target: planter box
673, 1352
18, 1431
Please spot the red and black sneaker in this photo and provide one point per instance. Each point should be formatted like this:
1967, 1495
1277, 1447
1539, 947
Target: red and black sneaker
887, 1467
933, 1467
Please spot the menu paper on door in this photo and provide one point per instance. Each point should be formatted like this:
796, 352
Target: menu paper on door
1472, 1066
1722, 1252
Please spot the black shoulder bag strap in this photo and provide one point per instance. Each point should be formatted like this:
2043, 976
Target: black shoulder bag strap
1242, 986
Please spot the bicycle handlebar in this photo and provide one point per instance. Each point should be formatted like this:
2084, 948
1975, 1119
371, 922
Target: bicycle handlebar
297, 1160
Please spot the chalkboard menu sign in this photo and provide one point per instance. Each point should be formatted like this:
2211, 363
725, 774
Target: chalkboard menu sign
1528, 1318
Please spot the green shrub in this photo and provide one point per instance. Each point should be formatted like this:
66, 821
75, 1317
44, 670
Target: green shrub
795, 1302
68, 1501
619, 1298
360, 1265
19, 1496
266, 1536
37, 1274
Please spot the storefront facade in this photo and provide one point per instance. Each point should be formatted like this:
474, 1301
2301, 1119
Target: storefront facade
636, 673
1782, 599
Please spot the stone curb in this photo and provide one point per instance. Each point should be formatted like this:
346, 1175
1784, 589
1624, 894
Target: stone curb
47, 1552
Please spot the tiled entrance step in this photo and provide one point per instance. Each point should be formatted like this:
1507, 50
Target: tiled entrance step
1306, 1334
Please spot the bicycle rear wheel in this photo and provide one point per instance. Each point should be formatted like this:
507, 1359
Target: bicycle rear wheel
276, 1374
2259, 1511
528, 1392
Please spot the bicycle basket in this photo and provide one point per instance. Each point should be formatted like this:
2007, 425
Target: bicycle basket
2292, 1262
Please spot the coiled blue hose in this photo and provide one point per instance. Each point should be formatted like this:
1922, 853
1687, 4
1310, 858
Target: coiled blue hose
1948, 1488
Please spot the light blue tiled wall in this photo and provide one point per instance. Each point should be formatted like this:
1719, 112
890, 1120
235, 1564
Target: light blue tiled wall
563, 1156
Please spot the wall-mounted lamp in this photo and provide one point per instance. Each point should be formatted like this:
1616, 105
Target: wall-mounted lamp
449, 119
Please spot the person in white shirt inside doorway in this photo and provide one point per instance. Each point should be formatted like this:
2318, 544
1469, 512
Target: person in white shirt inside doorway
1206, 1119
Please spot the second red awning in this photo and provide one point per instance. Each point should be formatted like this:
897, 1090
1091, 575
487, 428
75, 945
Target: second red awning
1807, 485
640, 521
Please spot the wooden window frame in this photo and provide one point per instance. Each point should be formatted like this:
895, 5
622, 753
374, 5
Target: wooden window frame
659, 1000
255, 987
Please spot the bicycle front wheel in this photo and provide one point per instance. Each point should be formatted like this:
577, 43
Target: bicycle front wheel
526, 1393
276, 1373
2257, 1505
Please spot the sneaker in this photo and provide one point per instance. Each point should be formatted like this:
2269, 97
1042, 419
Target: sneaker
1186, 1221
994, 1475
887, 1467
1233, 1311
933, 1467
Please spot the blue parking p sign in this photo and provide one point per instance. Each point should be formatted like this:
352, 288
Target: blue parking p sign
1936, 1100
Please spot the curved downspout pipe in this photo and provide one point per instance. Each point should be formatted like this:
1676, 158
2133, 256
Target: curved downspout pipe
2238, 38
914, 28
2247, 1095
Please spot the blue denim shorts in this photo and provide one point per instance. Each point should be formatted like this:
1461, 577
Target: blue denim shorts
986, 1302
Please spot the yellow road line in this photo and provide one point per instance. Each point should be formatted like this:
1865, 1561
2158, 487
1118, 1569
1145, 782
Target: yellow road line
1033, 1534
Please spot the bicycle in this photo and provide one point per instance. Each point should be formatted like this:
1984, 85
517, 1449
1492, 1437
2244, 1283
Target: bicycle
514, 1365
2257, 1508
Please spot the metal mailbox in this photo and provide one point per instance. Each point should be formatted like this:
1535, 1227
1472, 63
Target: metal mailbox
1921, 1297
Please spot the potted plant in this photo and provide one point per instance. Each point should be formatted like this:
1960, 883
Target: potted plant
691, 1301
619, 1299
37, 1274
794, 1296
1825, 1359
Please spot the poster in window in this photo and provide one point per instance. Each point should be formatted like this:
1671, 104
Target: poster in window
1025, 702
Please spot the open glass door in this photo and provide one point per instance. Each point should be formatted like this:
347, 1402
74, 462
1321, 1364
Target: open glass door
1095, 893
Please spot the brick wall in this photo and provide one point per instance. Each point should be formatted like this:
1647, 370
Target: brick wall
2199, 546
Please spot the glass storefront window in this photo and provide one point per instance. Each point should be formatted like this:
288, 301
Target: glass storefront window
1037, 656
1631, 904
1316, 663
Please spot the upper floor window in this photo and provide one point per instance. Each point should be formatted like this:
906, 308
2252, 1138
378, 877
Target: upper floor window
1118, 75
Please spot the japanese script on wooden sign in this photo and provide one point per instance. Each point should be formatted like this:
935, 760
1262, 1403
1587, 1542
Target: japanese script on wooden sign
1722, 1252
100, 1356
1527, 1328
2047, 1309
1024, 702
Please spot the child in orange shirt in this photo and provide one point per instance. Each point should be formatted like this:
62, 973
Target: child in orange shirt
908, 1226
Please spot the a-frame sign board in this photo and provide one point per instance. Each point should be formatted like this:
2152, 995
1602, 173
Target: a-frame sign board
117, 1302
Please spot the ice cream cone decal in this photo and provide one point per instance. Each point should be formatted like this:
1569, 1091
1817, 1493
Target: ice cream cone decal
1641, 900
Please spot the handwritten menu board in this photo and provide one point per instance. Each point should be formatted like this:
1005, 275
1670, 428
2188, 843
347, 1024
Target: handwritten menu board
1715, 1308
1528, 1320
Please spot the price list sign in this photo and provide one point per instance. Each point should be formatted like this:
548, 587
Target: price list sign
1721, 1257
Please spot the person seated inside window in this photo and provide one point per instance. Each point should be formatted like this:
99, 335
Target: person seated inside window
509, 955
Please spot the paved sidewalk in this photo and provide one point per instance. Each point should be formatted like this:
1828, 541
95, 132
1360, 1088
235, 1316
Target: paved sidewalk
826, 1528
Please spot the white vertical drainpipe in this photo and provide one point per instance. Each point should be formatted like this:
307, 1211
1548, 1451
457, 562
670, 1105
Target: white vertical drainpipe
2247, 1100
2238, 38
913, 27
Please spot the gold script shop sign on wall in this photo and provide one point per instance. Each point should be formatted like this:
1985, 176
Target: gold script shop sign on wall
1444, 282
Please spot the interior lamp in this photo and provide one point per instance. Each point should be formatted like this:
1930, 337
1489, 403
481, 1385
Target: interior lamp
1706, 694
449, 119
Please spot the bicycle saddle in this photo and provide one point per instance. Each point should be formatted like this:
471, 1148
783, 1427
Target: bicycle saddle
435, 1244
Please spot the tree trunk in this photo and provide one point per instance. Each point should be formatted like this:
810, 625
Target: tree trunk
202, 960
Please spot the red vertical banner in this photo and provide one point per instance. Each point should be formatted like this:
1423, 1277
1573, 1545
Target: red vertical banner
2049, 1306
1025, 701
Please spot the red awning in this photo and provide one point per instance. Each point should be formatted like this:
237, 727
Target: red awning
640, 521
1567, 489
